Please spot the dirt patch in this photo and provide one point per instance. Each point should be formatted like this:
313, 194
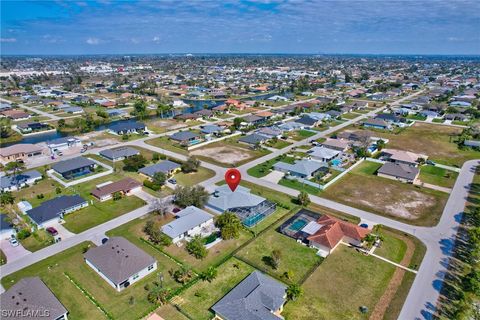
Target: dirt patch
395, 282
227, 155
167, 124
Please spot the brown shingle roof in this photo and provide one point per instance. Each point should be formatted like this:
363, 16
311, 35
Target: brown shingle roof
124, 185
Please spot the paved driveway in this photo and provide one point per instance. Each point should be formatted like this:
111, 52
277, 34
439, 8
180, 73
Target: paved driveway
12, 253
274, 176
63, 232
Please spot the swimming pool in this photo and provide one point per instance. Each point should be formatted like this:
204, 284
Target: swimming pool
253, 220
298, 225
336, 162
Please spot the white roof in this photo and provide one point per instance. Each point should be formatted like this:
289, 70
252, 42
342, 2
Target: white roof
225, 199
188, 218
323, 153
311, 227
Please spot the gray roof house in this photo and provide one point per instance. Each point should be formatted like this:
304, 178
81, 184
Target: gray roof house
74, 167
52, 210
6, 226
257, 297
167, 167
120, 153
301, 168
253, 139
184, 136
127, 127
31, 294
398, 171
12, 183
249, 207
322, 153
190, 221
120, 262
307, 121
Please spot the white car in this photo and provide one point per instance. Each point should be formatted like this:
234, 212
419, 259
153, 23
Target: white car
13, 242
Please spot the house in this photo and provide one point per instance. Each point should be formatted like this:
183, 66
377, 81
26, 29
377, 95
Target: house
429, 114
305, 169
376, 123
320, 116
20, 180
307, 121
31, 127
63, 143
127, 128
334, 114
336, 144
116, 113
291, 126
117, 154
190, 222
75, 167
30, 298
24, 206
323, 154
50, 211
398, 171
390, 118
253, 139
253, 120
322, 232
20, 151
257, 297
249, 207
15, 115
271, 132
472, 143
6, 227
400, 156
456, 116
204, 113
167, 167
120, 263
126, 187
73, 110
212, 129
356, 136
186, 137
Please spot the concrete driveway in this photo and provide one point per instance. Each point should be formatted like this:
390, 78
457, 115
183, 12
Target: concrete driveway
274, 176
63, 232
13, 253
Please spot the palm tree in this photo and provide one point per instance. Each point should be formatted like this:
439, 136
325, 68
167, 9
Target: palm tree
15, 167
294, 291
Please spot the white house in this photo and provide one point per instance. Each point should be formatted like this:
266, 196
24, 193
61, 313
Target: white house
190, 222
20, 180
120, 263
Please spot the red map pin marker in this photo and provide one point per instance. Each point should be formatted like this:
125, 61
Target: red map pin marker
233, 177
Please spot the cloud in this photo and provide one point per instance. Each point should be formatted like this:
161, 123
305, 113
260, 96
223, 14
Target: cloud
93, 41
8, 40
156, 39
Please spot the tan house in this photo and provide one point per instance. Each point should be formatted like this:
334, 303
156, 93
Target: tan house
125, 186
19, 152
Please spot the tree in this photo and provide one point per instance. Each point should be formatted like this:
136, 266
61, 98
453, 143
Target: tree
380, 144
294, 291
155, 157
134, 163
15, 167
209, 275
196, 248
155, 236
61, 123
159, 206
158, 294
140, 109
159, 178
229, 225
303, 199
6, 198
191, 165
163, 108
237, 122
117, 196
191, 196
275, 258
183, 275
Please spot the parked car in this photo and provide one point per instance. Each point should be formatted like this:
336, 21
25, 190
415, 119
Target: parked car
83, 150
430, 162
13, 242
52, 231
175, 210
172, 181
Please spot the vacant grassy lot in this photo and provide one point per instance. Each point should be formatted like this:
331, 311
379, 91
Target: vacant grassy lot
37, 240
280, 144
215, 254
169, 312
350, 115
301, 134
436, 141
438, 176
197, 300
167, 144
345, 281
262, 169
405, 202
45, 187
190, 179
51, 272
295, 258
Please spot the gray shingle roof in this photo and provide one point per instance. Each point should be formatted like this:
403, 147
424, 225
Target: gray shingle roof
164, 166
225, 199
399, 170
188, 218
253, 138
303, 167
184, 136
124, 126
72, 164
306, 120
5, 223
31, 294
118, 259
121, 152
51, 209
255, 298
9, 181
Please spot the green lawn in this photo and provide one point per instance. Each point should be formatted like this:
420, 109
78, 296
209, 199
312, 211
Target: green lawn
167, 144
394, 199
345, 281
392, 247
190, 179
280, 144
301, 134
438, 176
295, 258
262, 169
197, 300
37, 240
3, 258
265, 223
350, 115
51, 272
297, 185
169, 312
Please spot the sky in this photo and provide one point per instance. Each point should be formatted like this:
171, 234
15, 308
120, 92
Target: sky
240, 26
